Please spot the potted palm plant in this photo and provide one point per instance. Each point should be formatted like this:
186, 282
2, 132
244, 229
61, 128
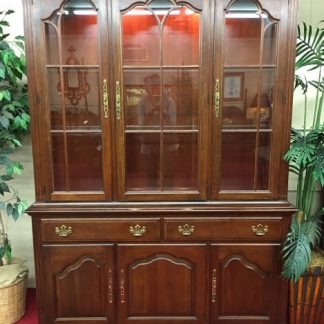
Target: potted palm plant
302, 263
14, 122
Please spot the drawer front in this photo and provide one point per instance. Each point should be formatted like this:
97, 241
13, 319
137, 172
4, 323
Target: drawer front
85, 229
225, 228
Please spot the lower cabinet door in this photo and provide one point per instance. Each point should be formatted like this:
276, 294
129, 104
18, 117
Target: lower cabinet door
162, 284
245, 284
77, 284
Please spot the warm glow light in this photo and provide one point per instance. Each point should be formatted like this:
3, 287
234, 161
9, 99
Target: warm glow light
142, 12
85, 12
245, 15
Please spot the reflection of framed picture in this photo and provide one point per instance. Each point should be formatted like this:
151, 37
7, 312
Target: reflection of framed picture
134, 95
233, 86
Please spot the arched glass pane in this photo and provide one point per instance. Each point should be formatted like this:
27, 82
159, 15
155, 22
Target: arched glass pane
79, 31
52, 42
141, 37
181, 37
243, 26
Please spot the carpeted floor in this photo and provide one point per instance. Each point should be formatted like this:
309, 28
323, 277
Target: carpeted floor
30, 316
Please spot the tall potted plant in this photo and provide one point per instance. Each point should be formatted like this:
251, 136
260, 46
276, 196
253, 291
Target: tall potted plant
14, 122
306, 161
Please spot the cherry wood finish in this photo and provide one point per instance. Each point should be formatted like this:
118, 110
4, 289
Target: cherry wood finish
158, 134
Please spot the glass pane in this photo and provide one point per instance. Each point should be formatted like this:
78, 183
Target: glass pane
79, 33
85, 162
180, 98
259, 107
54, 98
238, 160
263, 161
141, 37
143, 162
142, 95
52, 45
180, 161
59, 170
81, 97
270, 42
181, 41
242, 34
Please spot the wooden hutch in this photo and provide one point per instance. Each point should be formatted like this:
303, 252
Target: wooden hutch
158, 133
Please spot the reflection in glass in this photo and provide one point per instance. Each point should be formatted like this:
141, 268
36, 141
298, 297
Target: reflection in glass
59, 171
180, 161
270, 42
238, 159
242, 41
181, 33
259, 107
142, 95
52, 44
141, 37
143, 162
80, 98
84, 167
263, 161
85, 162
180, 91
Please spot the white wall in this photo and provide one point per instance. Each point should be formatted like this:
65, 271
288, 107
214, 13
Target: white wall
20, 232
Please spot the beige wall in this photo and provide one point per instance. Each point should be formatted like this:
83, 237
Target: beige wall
20, 232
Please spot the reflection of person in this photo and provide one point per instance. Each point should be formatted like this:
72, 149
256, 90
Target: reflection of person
149, 115
150, 106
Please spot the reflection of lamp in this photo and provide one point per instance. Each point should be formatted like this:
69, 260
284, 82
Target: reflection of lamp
264, 109
76, 85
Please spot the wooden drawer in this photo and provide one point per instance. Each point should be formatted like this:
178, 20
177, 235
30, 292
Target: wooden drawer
223, 228
85, 229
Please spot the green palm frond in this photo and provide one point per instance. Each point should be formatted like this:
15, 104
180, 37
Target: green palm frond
296, 251
310, 47
301, 82
302, 148
318, 85
318, 165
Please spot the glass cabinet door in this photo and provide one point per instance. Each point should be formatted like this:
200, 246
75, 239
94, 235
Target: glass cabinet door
74, 91
159, 100
248, 100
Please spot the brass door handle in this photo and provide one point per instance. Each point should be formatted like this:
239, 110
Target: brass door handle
260, 229
186, 230
105, 100
217, 99
122, 286
110, 286
118, 101
63, 230
214, 281
137, 230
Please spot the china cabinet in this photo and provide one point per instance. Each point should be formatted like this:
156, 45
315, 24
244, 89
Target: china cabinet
158, 133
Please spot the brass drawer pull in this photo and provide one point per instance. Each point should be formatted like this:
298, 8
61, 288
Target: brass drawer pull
260, 229
63, 230
186, 230
137, 230
214, 281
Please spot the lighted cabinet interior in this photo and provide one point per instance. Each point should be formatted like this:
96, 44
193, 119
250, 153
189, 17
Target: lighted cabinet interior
158, 130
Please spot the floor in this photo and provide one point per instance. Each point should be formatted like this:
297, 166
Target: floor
30, 316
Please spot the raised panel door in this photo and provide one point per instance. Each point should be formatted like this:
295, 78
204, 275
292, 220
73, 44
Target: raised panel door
245, 284
77, 284
162, 284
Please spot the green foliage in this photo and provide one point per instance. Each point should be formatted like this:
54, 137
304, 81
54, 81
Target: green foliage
306, 156
14, 114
